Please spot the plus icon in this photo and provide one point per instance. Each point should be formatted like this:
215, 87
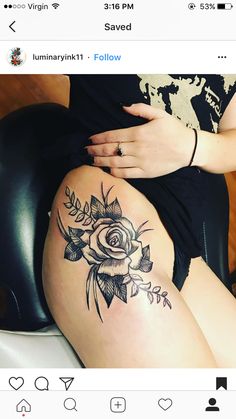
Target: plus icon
118, 405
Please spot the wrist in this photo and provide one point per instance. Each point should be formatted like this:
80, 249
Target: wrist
194, 147
188, 150
203, 150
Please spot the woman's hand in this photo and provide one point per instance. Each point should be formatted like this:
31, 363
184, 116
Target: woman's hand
162, 145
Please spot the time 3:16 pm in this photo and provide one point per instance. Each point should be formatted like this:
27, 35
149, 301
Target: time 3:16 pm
117, 6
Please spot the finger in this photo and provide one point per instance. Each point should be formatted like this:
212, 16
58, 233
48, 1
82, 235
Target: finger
145, 111
114, 136
116, 161
111, 149
128, 173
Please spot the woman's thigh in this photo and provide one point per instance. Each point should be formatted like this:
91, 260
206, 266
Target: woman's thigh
107, 267
214, 308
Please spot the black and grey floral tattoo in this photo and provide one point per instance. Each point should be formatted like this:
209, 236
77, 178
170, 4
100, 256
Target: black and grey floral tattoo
109, 243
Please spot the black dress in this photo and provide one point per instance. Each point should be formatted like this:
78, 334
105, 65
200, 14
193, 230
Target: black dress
198, 100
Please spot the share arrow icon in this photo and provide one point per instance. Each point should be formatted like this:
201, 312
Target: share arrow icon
67, 381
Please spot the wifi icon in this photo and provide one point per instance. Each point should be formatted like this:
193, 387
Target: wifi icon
55, 5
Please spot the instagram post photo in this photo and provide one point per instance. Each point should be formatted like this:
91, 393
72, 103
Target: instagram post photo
118, 220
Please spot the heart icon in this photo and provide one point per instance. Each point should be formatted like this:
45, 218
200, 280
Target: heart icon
16, 383
165, 404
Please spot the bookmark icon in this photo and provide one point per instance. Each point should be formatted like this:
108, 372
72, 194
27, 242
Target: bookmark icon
221, 383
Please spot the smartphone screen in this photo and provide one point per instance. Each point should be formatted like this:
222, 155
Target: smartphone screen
118, 211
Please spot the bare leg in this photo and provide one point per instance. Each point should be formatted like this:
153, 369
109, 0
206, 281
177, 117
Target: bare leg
136, 331
214, 309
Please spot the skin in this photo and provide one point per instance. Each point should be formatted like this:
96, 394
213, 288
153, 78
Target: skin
214, 308
165, 144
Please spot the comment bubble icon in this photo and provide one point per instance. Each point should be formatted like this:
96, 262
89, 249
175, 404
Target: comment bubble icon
41, 384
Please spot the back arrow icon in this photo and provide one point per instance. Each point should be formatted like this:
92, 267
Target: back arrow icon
10, 26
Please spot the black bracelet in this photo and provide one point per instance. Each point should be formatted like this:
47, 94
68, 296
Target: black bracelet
195, 147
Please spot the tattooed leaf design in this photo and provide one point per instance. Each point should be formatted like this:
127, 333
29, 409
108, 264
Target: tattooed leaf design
134, 290
68, 205
72, 198
164, 294
86, 207
75, 235
136, 278
72, 252
146, 252
77, 204
168, 303
73, 212
113, 210
97, 208
111, 286
87, 221
127, 279
120, 289
77, 232
80, 218
146, 286
156, 290
158, 298
150, 297
145, 265
67, 191
106, 285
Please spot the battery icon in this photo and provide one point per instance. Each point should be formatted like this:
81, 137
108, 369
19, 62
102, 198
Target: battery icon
224, 6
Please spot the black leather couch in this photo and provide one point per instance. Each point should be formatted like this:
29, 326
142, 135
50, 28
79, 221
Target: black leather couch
27, 187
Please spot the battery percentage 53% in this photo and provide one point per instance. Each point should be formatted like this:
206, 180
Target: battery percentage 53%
207, 6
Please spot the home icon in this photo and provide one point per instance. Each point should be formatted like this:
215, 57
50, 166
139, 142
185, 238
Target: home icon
23, 406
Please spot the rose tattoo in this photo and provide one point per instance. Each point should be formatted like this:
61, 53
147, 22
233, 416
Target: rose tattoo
109, 243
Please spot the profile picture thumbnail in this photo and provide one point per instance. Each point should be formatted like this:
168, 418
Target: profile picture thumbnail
16, 57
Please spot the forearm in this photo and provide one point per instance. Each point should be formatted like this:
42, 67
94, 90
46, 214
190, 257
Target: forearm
216, 153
